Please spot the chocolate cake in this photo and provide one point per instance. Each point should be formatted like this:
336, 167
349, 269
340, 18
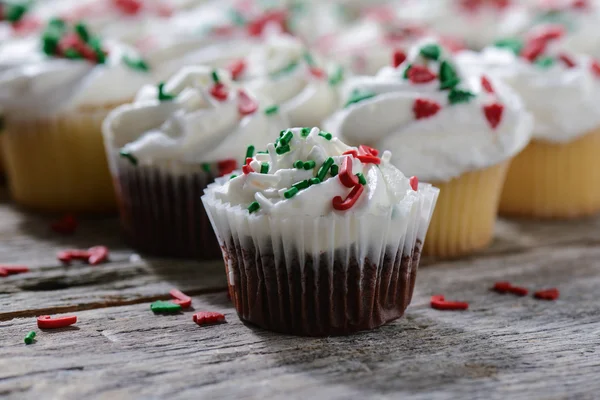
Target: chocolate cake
307, 300
162, 213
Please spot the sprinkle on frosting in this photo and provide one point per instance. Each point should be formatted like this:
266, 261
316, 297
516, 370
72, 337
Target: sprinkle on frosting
74, 42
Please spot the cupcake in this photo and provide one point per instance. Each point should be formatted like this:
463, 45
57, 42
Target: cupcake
562, 91
284, 70
457, 131
169, 144
320, 238
478, 22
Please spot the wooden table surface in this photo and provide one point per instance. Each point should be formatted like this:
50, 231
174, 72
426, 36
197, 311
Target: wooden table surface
503, 347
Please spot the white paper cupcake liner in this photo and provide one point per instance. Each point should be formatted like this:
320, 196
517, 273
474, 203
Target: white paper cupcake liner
322, 276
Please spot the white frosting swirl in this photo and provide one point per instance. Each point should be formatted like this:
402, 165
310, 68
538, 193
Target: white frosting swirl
563, 100
452, 139
386, 187
478, 26
194, 126
280, 70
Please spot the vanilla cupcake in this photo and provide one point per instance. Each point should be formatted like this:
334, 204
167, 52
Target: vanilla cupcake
320, 238
455, 130
284, 70
169, 144
562, 91
479, 23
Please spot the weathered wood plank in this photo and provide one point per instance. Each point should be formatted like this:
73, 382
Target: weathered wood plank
503, 347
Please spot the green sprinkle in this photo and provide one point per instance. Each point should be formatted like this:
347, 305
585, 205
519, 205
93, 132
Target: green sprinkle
237, 18
162, 96
334, 170
431, 51
287, 137
232, 176
301, 185
285, 70
253, 207
264, 168
298, 164
262, 152
271, 110
305, 132
135, 63
249, 152
309, 59
361, 178
57, 23
82, 31
545, 62
408, 67
29, 337
324, 168
314, 181
448, 77
49, 44
14, 12
282, 149
336, 77
206, 167
512, 44
358, 96
326, 135
281, 133
291, 192
73, 54
459, 96
164, 307
215, 76
129, 156
310, 164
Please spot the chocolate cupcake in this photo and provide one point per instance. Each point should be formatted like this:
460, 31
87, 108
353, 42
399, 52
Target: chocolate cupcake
320, 238
167, 146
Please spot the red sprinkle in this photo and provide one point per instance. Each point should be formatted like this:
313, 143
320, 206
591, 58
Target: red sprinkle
519, 291
246, 169
3, 272
130, 7
533, 49
369, 159
246, 104
567, 60
226, 166
66, 225
398, 58
502, 287
257, 27
98, 254
423, 108
352, 153
596, 68
219, 91
346, 176
208, 317
493, 113
93, 256
317, 72
342, 205
47, 322
439, 303
180, 298
414, 183
237, 68
420, 74
548, 294
487, 85
13, 269
368, 150
580, 4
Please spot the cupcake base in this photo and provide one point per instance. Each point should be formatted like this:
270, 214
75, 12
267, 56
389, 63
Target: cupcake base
554, 180
466, 212
58, 164
162, 212
319, 296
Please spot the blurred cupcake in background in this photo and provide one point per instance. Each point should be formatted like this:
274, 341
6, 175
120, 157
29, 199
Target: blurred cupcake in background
170, 143
320, 238
457, 131
283, 69
477, 22
562, 91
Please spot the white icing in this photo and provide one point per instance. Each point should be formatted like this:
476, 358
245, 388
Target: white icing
194, 126
478, 27
279, 70
457, 139
564, 101
386, 186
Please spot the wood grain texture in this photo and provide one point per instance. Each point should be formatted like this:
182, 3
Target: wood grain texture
502, 347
